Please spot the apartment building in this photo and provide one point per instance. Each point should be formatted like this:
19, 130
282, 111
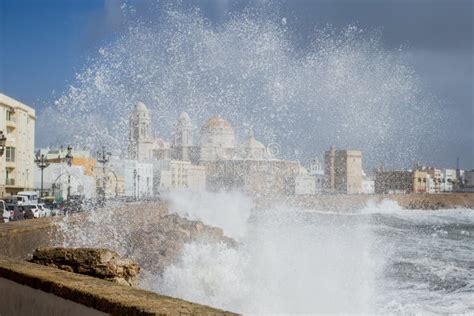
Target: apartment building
343, 171
17, 123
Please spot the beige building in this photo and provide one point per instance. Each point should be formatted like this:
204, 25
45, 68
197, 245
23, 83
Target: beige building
263, 177
108, 179
178, 174
396, 182
343, 171
434, 179
17, 122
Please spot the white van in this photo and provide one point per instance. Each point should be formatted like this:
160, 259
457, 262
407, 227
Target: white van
15, 200
31, 197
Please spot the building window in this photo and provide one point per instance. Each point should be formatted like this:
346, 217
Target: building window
10, 154
10, 116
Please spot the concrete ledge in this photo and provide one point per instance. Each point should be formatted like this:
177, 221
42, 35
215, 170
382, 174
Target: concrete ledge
98, 294
19, 239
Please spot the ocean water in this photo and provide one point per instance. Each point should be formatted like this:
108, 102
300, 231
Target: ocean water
380, 259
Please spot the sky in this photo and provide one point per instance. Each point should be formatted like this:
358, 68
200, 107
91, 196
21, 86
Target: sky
44, 43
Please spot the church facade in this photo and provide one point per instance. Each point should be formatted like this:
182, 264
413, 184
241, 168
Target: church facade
224, 162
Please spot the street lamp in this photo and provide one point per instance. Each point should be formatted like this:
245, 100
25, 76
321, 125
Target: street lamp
3, 142
135, 183
69, 159
103, 158
42, 163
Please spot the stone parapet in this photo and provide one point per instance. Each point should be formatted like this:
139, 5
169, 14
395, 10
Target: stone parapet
100, 295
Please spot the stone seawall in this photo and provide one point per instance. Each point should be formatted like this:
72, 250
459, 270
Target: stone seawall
20, 239
99, 295
352, 202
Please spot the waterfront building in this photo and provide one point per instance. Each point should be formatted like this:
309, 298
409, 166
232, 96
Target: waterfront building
59, 178
448, 178
368, 184
137, 177
177, 174
400, 182
108, 183
469, 178
434, 179
261, 177
343, 170
305, 184
81, 157
316, 170
217, 162
17, 122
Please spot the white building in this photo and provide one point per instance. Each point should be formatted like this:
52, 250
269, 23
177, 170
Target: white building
17, 123
137, 176
316, 169
305, 185
448, 177
368, 186
469, 178
58, 177
177, 174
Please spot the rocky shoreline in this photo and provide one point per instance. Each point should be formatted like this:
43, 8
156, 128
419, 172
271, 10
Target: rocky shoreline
145, 233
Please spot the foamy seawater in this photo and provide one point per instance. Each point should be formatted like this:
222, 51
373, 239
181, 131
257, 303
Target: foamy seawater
381, 259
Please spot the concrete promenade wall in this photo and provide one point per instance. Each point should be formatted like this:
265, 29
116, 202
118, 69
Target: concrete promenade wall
19, 299
69, 290
20, 239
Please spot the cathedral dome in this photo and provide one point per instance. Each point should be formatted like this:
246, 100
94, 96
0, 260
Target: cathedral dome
217, 123
218, 134
141, 107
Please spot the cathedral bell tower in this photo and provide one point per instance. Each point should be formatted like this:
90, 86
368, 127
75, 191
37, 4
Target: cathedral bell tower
141, 140
183, 137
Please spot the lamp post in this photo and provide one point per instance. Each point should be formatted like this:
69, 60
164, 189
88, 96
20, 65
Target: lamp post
103, 158
3, 142
69, 159
135, 183
42, 163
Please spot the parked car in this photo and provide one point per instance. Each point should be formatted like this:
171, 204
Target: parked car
46, 211
50, 203
37, 212
16, 214
27, 211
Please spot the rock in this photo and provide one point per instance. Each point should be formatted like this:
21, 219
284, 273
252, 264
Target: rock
100, 263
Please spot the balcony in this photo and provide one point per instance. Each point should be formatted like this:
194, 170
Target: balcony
10, 164
9, 182
11, 122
